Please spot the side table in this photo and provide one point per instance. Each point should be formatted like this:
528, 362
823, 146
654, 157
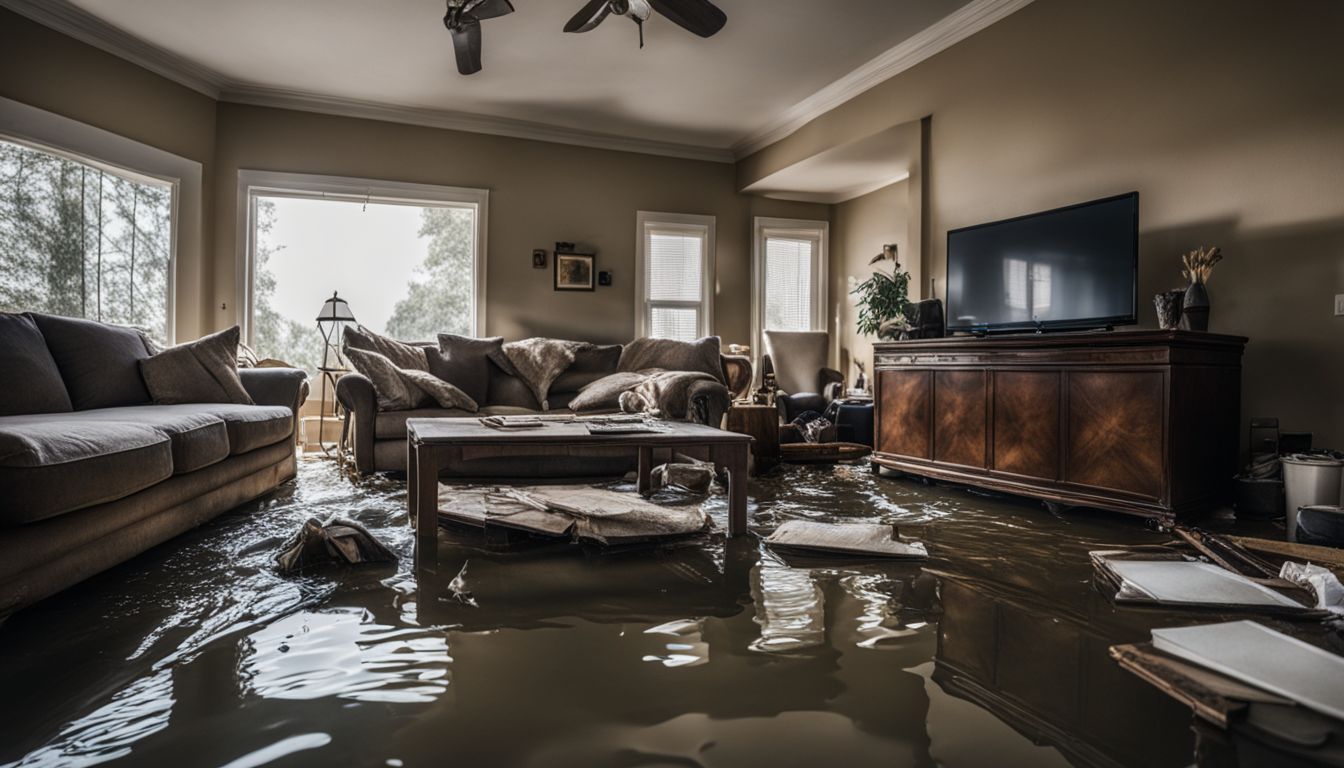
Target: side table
762, 423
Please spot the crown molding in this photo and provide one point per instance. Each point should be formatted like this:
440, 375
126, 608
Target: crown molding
463, 121
938, 37
75, 22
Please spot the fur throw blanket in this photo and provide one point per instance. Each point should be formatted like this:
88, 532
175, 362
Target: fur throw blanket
680, 396
539, 362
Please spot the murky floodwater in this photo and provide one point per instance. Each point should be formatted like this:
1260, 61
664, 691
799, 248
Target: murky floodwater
991, 653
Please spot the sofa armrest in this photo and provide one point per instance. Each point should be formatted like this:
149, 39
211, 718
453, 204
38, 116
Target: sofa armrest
276, 386
355, 393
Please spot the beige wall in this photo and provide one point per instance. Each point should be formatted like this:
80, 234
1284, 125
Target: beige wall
859, 229
47, 70
1226, 116
539, 193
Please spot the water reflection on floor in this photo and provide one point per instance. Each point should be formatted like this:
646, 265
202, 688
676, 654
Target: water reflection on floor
704, 654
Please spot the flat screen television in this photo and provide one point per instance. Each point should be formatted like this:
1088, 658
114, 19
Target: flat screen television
1072, 268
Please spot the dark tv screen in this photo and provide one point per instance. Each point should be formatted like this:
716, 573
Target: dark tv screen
1072, 267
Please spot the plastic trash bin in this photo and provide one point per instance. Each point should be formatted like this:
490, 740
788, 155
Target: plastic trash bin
1310, 480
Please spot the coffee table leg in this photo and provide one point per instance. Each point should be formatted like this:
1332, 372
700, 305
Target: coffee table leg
427, 504
412, 489
734, 459
645, 472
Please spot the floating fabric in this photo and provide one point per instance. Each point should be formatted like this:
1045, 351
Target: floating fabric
336, 541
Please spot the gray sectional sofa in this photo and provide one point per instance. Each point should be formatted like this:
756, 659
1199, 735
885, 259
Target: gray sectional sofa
377, 438
93, 473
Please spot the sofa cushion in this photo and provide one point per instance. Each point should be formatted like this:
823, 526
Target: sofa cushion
28, 374
99, 363
251, 426
467, 363
699, 356
197, 439
509, 390
49, 466
402, 355
605, 393
203, 371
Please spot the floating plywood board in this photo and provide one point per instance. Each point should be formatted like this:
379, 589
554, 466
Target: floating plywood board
1261, 657
871, 539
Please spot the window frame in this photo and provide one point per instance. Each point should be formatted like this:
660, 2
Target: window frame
764, 227
59, 135
683, 223
253, 184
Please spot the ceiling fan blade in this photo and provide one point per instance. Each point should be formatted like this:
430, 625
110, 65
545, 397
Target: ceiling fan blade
699, 17
589, 16
488, 9
467, 46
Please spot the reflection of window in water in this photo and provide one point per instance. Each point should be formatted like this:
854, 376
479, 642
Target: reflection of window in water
1027, 285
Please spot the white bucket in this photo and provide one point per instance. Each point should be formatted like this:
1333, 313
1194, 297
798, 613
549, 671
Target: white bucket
1310, 481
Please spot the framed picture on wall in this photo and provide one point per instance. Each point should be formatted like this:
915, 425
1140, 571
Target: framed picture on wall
574, 271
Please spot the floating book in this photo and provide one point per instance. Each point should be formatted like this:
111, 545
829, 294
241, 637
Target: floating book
872, 539
1190, 582
1259, 656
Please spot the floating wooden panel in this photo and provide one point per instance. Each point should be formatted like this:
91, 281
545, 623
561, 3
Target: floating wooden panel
1026, 423
904, 399
959, 419
1115, 431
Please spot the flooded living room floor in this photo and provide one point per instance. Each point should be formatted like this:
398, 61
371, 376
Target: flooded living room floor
993, 652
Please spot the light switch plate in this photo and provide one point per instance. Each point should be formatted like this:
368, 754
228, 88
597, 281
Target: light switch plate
1339, 305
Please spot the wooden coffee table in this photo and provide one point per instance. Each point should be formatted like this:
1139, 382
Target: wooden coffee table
433, 445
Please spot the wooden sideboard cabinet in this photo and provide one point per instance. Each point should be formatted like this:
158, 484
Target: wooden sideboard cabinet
1142, 422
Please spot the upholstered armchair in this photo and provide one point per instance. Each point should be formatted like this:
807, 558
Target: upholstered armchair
798, 361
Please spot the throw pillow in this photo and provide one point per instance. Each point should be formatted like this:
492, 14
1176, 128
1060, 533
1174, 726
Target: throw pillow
401, 354
605, 393
700, 356
204, 371
404, 389
99, 363
539, 362
466, 362
28, 374
596, 358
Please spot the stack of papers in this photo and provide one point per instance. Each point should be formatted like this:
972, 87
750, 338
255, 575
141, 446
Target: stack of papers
1259, 656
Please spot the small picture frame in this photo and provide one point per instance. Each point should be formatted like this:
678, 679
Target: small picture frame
604, 277
539, 258
575, 271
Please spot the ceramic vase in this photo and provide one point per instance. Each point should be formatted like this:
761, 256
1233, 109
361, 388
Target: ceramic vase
1195, 308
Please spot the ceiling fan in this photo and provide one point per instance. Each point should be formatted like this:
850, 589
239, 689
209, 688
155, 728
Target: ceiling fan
463, 21
699, 17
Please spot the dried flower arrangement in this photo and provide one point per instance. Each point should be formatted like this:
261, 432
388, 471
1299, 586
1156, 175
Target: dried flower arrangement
1199, 264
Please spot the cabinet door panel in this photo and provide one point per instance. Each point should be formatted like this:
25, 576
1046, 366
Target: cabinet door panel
1026, 423
1115, 431
959, 419
904, 400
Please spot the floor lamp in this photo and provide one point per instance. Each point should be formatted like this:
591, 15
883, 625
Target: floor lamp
331, 321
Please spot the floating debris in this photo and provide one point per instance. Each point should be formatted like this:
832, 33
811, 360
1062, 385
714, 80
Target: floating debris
336, 541
872, 539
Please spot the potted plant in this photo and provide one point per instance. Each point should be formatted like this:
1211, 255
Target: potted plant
883, 298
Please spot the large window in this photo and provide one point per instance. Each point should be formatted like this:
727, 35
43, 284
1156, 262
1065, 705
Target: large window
789, 275
84, 239
409, 259
674, 275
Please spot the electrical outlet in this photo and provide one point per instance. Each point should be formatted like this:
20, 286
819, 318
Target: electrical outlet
1339, 305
